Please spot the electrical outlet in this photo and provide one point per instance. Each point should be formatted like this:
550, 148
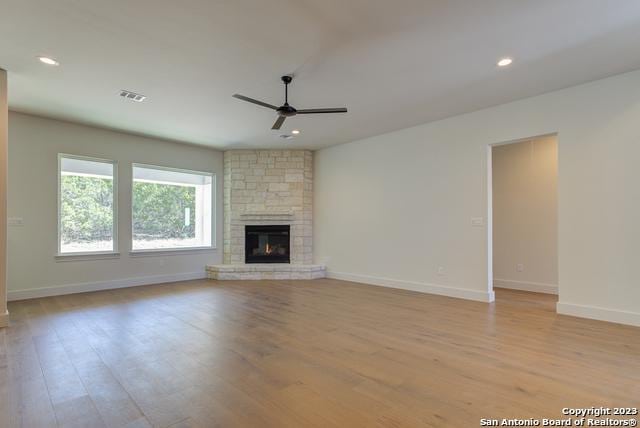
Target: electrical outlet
520, 267
440, 270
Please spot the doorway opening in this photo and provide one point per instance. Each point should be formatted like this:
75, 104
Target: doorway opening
523, 219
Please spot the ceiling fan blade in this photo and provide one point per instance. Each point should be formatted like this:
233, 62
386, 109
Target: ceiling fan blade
251, 100
279, 122
322, 110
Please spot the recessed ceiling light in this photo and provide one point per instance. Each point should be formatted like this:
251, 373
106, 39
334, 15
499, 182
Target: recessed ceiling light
48, 61
504, 62
295, 132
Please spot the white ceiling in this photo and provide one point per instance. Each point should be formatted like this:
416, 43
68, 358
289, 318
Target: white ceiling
393, 63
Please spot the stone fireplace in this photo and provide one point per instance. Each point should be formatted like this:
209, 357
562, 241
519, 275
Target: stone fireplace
266, 190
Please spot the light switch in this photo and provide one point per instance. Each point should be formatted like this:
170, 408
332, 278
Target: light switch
15, 221
477, 221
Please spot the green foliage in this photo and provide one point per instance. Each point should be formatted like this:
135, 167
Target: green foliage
86, 209
159, 211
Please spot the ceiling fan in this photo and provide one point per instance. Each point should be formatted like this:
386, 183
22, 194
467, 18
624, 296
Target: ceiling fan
285, 110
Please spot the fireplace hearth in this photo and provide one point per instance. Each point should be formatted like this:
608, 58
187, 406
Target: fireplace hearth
267, 244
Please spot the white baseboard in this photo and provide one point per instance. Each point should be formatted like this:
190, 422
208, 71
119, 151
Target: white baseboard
4, 319
601, 314
536, 287
460, 293
59, 290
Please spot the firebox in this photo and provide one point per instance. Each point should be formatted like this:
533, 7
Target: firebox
267, 244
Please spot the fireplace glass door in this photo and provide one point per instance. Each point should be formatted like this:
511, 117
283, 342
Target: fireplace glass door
267, 244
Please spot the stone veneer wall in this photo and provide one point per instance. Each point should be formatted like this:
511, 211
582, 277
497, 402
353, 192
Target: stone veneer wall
268, 187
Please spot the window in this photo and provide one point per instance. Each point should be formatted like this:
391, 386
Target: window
86, 205
171, 209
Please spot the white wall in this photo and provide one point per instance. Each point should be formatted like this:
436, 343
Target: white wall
34, 144
525, 215
392, 208
4, 119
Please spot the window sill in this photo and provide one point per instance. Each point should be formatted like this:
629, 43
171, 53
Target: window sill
170, 251
72, 257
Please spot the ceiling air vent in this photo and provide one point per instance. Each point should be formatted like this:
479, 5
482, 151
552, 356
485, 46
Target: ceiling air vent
132, 96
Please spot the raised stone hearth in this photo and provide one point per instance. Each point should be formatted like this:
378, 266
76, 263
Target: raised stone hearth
261, 188
265, 271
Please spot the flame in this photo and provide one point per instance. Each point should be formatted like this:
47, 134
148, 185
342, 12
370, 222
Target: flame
268, 249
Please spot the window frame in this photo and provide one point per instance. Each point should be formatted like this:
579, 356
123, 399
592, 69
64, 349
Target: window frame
81, 254
213, 209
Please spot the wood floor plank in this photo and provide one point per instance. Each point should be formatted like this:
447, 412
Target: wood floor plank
321, 353
79, 412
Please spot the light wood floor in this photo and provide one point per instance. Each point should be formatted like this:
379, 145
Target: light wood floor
321, 353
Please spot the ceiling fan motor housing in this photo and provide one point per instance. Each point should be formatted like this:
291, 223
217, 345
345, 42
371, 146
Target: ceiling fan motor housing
286, 110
